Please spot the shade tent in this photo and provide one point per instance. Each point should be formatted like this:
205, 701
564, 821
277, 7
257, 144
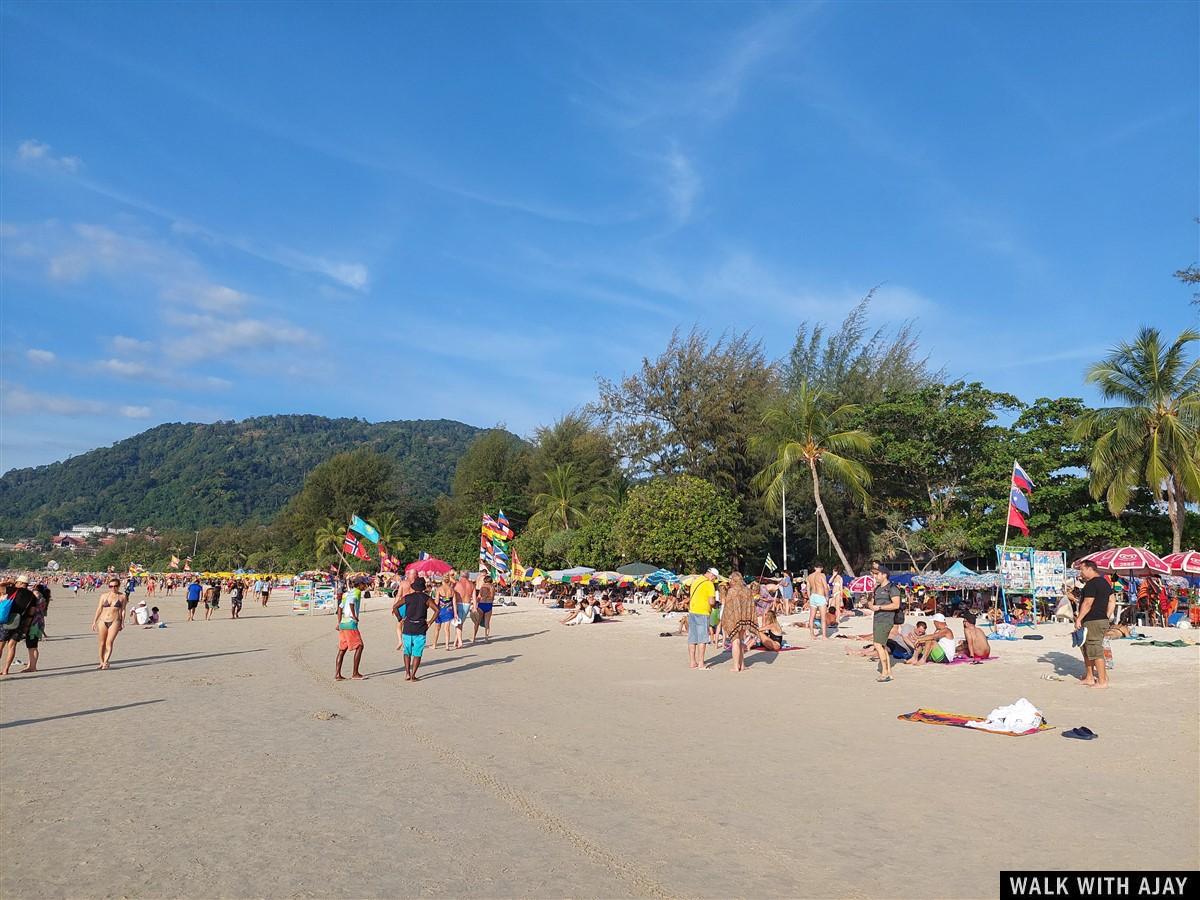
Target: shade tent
559, 574
662, 576
958, 570
637, 569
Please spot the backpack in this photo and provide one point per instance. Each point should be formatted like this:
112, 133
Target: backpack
9, 618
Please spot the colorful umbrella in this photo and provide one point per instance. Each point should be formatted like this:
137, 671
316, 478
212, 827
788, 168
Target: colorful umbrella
863, 584
1129, 561
1188, 561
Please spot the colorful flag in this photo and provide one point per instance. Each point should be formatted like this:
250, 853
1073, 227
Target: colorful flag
1017, 499
1016, 520
365, 529
353, 545
502, 521
174, 562
770, 564
516, 557
422, 556
1021, 480
387, 562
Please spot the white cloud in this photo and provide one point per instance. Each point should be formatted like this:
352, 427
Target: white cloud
122, 344
40, 357
213, 297
17, 400
122, 367
208, 335
36, 153
682, 185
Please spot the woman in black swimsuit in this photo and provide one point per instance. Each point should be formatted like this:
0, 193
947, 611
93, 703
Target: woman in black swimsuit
110, 614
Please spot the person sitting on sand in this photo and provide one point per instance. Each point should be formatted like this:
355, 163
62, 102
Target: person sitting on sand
937, 646
770, 636
584, 615
977, 646
154, 618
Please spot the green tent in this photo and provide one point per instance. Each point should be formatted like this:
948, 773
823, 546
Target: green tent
637, 569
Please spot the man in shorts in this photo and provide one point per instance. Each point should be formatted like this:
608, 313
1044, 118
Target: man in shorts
348, 634
937, 646
417, 607
818, 599
1095, 612
976, 642
464, 599
194, 590
700, 601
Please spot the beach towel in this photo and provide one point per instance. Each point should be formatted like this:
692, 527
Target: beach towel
1175, 643
959, 720
969, 660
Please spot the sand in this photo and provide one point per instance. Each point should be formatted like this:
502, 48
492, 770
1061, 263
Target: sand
585, 761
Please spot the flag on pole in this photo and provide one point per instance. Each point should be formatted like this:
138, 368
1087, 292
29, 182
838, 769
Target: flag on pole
422, 556
366, 529
1020, 480
502, 521
174, 562
387, 562
353, 546
770, 564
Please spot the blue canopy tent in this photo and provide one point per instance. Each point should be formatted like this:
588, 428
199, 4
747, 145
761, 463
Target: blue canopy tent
958, 569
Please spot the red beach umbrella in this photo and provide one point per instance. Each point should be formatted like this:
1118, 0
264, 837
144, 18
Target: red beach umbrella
863, 584
431, 566
1185, 563
1129, 561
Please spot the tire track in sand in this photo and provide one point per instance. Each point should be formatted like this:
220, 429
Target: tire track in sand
641, 883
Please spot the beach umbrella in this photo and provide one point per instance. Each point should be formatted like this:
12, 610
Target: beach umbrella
430, 566
1129, 561
662, 576
637, 569
1187, 562
863, 584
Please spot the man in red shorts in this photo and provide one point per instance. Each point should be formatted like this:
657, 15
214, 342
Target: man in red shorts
348, 635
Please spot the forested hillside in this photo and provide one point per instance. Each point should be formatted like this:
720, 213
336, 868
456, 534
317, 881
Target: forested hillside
192, 475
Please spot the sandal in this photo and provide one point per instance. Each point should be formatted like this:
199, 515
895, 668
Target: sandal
883, 679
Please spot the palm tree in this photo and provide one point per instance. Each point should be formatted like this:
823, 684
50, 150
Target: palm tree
329, 537
802, 432
1153, 440
565, 502
391, 532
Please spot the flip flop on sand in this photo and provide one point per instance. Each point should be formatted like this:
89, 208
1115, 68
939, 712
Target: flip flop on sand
883, 679
1081, 733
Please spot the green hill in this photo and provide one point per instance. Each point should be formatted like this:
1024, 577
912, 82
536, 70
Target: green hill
191, 475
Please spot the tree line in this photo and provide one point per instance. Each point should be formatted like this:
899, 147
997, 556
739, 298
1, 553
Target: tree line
686, 461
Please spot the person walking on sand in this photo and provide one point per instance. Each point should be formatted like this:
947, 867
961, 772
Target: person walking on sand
485, 598
237, 593
885, 603
349, 637
444, 594
818, 597
20, 601
464, 600
194, 590
700, 600
1096, 604
418, 606
738, 617
109, 617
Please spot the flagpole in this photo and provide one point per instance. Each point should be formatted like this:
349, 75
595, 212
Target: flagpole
1008, 509
783, 485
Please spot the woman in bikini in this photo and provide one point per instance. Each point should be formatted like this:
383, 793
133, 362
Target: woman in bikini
445, 614
110, 613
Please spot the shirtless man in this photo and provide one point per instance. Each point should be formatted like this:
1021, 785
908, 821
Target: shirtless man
464, 597
976, 641
928, 647
818, 598
402, 592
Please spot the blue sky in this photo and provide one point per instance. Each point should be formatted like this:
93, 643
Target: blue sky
212, 211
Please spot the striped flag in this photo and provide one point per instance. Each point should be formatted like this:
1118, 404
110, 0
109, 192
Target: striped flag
352, 544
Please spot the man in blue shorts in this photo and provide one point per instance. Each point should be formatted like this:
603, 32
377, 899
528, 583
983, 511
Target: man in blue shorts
193, 598
417, 607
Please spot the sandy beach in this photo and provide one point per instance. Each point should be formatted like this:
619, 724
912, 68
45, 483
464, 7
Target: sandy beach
571, 762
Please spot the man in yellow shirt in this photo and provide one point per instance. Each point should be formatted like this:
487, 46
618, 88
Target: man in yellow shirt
699, 607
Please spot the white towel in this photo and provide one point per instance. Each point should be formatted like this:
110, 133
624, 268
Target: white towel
1017, 718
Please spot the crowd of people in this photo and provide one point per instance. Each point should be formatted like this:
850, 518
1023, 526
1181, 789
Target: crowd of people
730, 613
